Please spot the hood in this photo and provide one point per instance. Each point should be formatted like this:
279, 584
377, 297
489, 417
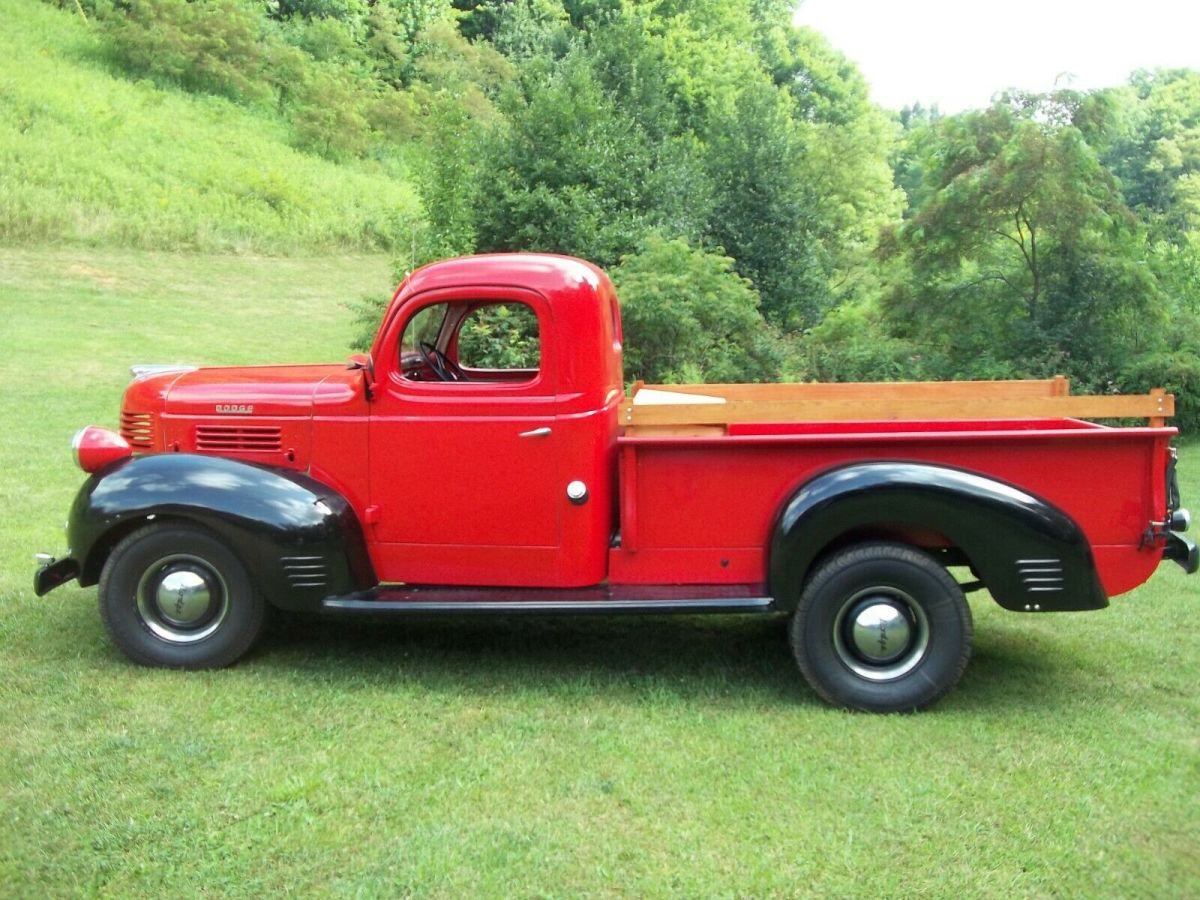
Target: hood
257, 390
258, 413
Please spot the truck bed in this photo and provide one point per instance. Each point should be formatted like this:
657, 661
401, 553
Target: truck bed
678, 522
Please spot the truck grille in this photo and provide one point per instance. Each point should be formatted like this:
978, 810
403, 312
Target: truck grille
238, 438
1041, 575
138, 428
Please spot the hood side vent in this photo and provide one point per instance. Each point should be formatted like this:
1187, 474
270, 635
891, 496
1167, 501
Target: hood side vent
138, 429
238, 439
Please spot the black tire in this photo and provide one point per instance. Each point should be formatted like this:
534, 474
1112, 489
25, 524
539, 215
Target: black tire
840, 630
174, 595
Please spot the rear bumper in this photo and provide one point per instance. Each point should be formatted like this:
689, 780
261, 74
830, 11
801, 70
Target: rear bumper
54, 574
1183, 550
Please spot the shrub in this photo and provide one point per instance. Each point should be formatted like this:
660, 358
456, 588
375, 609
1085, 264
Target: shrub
210, 45
688, 316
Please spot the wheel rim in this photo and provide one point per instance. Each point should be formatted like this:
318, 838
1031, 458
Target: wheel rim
182, 599
881, 633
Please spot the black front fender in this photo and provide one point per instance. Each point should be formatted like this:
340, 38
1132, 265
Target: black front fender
299, 539
1028, 553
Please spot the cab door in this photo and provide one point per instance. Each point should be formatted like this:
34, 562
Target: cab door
463, 453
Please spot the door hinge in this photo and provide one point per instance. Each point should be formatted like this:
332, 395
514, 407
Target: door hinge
371, 515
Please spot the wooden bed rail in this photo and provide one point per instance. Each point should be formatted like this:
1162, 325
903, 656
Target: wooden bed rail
666, 408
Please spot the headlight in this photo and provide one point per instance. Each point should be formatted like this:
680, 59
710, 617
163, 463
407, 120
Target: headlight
95, 447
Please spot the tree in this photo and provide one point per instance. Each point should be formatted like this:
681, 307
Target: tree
688, 317
1158, 159
568, 172
1021, 256
209, 46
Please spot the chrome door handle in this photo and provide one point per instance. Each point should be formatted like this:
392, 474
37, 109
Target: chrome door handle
536, 432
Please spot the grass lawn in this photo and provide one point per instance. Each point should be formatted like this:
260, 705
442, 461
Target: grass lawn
629, 757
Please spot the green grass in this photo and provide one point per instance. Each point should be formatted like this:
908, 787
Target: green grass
626, 757
89, 157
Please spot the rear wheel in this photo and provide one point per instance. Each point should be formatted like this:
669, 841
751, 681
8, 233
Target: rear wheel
176, 596
881, 627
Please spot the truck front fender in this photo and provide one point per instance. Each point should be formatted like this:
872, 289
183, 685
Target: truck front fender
299, 539
1027, 552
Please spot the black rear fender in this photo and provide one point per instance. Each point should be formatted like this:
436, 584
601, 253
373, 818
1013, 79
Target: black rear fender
299, 539
1028, 553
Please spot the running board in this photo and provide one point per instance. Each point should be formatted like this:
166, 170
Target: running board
643, 600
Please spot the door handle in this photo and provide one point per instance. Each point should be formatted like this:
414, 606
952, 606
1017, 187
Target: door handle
536, 432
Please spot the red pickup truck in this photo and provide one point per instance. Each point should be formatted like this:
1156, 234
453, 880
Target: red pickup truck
486, 458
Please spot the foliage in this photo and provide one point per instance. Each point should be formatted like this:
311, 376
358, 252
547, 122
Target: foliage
500, 336
210, 45
1158, 157
687, 316
543, 188
853, 343
1021, 251
91, 158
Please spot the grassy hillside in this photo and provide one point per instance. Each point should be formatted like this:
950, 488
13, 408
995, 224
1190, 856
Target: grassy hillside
87, 156
658, 758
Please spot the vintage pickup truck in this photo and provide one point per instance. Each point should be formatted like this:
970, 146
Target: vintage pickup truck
486, 457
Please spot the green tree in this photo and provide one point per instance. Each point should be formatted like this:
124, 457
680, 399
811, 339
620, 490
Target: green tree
329, 114
568, 172
803, 180
688, 317
1021, 257
1158, 158
448, 183
210, 45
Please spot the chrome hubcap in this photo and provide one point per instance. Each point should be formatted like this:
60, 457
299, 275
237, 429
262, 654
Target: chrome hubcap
182, 599
880, 633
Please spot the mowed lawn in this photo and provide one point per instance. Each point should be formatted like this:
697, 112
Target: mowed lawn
660, 757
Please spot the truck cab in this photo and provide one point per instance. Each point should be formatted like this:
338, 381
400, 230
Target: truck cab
495, 388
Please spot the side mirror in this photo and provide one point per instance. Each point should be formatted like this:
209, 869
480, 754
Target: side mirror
365, 364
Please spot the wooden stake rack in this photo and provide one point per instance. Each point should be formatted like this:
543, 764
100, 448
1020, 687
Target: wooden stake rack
669, 409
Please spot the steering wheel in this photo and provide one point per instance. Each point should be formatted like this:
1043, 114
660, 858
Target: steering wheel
442, 366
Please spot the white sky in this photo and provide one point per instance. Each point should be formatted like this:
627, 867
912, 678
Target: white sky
957, 54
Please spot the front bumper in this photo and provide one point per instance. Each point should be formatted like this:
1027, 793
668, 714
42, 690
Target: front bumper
53, 573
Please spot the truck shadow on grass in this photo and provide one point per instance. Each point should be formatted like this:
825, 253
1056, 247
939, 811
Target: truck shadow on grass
744, 658
689, 654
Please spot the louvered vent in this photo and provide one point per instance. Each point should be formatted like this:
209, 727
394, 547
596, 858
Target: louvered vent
305, 571
1041, 575
238, 438
138, 428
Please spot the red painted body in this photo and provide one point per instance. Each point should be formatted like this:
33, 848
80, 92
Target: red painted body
459, 483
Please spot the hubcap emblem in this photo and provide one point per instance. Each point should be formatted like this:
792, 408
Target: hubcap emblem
880, 632
182, 597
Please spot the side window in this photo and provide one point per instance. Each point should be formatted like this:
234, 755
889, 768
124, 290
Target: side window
424, 327
501, 341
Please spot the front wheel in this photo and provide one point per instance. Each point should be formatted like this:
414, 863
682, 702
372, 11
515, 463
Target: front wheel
881, 627
175, 596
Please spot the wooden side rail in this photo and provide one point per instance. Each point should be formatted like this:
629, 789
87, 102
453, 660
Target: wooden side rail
667, 410
1059, 386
